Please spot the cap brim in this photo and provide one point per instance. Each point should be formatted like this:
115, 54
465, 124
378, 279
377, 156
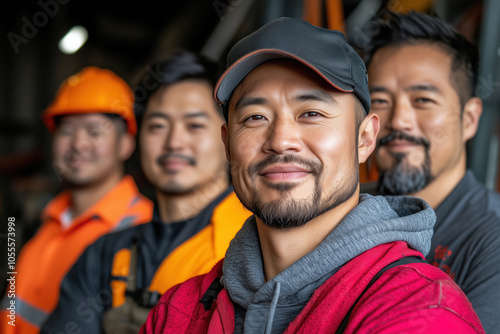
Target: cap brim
235, 73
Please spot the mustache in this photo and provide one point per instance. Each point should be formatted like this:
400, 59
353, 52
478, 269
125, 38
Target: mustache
166, 156
313, 166
395, 135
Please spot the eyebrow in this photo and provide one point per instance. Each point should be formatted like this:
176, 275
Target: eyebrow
377, 89
414, 88
312, 95
96, 124
246, 101
424, 87
196, 114
155, 114
87, 124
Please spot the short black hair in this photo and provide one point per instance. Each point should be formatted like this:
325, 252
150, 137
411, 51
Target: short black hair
179, 66
415, 28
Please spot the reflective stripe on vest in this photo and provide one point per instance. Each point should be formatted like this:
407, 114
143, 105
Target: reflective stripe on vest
29, 313
135, 200
125, 222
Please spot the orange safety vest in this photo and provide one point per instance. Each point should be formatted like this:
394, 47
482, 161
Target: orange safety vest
48, 256
194, 257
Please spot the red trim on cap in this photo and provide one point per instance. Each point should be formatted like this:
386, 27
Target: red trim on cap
275, 51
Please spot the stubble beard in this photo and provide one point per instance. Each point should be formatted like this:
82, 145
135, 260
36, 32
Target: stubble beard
175, 188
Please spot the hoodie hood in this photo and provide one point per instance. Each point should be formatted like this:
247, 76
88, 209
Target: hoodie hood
268, 307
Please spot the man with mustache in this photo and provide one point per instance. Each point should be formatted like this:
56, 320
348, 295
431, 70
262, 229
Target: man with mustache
422, 84
93, 128
296, 101
119, 278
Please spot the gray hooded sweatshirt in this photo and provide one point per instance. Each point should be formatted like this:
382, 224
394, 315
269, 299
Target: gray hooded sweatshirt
268, 307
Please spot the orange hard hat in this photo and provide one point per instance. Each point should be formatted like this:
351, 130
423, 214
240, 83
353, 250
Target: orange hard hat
93, 90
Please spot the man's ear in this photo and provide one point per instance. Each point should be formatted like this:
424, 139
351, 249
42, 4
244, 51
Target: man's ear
225, 139
367, 137
472, 111
127, 146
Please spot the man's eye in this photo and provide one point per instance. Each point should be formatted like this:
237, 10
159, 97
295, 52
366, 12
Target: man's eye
423, 100
311, 114
196, 126
378, 102
155, 126
255, 118
94, 133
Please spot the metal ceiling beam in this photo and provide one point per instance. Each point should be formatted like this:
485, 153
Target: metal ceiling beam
231, 14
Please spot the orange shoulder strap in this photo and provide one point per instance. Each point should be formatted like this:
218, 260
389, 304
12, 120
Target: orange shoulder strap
201, 252
120, 268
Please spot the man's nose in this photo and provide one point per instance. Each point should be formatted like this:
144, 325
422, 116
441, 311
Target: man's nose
81, 142
402, 117
284, 136
177, 138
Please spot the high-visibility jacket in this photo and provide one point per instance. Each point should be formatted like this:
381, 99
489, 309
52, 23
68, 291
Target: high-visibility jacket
48, 256
167, 254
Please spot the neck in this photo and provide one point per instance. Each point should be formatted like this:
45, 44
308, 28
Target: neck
282, 248
83, 198
436, 191
180, 207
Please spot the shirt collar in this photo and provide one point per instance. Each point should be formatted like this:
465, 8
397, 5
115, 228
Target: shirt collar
109, 209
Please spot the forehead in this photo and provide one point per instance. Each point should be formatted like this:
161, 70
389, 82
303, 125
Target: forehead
85, 119
410, 64
183, 98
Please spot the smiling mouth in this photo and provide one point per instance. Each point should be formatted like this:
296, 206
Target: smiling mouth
284, 173
75, 161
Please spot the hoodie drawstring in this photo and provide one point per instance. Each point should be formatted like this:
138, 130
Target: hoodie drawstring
272, 308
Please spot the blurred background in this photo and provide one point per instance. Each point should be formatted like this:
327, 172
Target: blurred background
127, 35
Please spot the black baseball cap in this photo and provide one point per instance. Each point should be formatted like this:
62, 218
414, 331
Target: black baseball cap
324, 51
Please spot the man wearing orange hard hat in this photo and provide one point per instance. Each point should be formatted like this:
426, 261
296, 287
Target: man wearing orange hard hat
93, 127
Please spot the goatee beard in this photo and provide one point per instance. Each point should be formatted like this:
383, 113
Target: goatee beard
404, 178
287, 212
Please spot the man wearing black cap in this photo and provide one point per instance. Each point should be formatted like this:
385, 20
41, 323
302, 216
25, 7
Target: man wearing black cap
422, 82
316, 256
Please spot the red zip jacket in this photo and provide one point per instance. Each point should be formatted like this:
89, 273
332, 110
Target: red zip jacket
410, 298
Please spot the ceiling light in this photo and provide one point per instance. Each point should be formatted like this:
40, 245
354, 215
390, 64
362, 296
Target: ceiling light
73, 40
